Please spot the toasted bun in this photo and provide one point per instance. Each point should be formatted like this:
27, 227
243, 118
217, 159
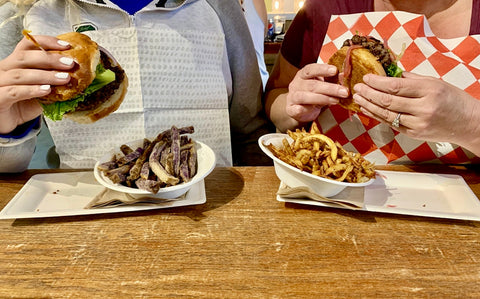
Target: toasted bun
87, 56
106, 108
363, 62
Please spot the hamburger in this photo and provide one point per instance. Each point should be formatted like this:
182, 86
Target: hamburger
359, 56
97, 86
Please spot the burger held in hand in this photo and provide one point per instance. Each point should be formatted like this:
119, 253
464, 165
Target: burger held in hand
97, 86
359, 56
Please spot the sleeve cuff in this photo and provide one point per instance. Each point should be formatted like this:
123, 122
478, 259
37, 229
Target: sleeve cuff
23, 129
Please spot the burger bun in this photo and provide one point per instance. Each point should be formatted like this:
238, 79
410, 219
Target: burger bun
86, 54
93, 105
362, 62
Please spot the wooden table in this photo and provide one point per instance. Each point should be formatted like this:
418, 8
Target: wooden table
241, 244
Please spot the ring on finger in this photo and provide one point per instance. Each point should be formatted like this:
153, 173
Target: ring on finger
396, 121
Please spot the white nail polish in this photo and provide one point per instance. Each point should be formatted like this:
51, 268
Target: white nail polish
63, 43
66, 60
61, 75
45, 87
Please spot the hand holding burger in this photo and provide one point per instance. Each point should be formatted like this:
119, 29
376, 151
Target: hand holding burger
28, 73
97, 83
359, 56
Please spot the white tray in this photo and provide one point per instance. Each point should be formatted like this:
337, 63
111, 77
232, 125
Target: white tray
66, 194
410, 193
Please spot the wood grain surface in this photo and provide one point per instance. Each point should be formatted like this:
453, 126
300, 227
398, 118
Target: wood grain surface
241, 243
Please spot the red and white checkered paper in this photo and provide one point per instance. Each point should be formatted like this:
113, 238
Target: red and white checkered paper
456, 61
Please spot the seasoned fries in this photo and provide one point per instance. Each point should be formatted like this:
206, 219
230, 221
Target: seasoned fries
167, 160
319, 155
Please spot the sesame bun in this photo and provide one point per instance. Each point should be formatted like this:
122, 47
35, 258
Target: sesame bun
363, 62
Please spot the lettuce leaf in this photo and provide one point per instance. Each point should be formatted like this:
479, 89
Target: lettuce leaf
394, 71
56, 110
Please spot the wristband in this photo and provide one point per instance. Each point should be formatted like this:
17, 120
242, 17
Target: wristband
23, 129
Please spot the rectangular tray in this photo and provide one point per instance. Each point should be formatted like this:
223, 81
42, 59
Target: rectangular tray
411, 193
66, 194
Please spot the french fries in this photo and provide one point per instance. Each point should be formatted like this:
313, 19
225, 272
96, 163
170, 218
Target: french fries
167, 160
319, 155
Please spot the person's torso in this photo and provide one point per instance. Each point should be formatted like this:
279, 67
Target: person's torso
177, 67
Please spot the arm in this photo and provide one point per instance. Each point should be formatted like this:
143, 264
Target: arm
276, 94
296, 90
294, 97
262, 12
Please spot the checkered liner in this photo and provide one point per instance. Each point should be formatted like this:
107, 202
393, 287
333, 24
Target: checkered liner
453, 60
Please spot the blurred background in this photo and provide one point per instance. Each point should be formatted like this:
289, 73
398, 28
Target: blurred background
287, 8
280, 14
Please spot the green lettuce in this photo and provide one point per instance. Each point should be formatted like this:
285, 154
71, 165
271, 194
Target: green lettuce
394, 71
56, 110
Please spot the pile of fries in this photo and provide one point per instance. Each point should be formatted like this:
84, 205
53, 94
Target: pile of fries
319, 155
167, 160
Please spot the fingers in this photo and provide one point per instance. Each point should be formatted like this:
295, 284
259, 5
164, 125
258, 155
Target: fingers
46, 41
375, 100
10, 95
36, 59
303, 113
27, 55
310, 98
310, 88
317, 71
21, 84
33, 77
308, 92
383, 114
406, 87
373, 110
316, 92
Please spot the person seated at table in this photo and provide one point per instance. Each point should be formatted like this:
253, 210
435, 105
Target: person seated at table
428, 109
27, 72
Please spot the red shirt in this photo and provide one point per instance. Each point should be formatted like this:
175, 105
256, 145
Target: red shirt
370, 138
305, 35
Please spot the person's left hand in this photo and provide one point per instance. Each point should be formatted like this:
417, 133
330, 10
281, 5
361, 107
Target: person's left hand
430, 109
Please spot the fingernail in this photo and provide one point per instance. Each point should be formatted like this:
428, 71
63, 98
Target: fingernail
333, 101
366, 78
356, 88
61, 75
331, 70
63, 43
45, 87
343, 92
66, 60
356, 97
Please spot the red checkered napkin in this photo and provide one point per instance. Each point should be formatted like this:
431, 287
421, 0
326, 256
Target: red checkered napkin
456, 61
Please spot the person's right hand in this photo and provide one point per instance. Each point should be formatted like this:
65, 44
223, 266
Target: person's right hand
27, 74
308, 92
